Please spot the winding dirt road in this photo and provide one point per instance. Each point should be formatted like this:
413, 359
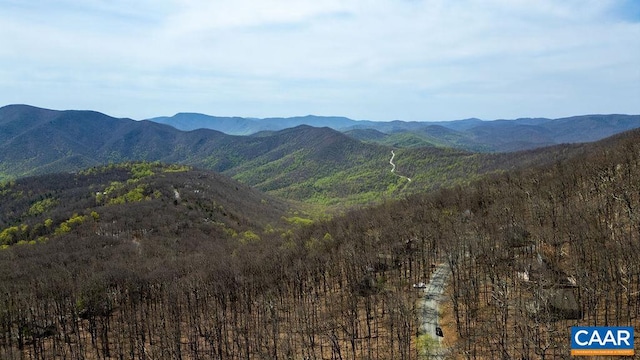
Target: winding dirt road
393, 166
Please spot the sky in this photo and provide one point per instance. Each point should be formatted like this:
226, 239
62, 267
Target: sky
422, 60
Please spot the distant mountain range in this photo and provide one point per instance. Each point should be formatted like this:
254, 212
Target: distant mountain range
468, 134
313, 164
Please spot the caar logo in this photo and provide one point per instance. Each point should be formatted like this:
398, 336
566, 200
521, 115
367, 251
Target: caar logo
602, 340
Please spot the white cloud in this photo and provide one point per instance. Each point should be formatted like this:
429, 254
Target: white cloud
379, 59
205, 15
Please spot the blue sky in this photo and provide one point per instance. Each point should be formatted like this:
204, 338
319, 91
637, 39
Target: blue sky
364, 59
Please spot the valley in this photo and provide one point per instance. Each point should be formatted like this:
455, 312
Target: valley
308, 164
144, 242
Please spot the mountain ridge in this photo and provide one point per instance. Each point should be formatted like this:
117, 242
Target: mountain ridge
471, 134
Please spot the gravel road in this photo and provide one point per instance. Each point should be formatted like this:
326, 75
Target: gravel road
432, 296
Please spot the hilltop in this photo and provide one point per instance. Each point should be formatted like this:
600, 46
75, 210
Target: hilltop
131, 200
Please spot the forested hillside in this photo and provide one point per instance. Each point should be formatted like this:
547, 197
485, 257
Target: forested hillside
532, 252
131, 198
165, 270
304, 163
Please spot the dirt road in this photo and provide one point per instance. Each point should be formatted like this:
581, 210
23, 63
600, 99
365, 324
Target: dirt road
393, 166
429, 309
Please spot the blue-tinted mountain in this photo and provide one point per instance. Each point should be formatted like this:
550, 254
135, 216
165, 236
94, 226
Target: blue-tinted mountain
469, 134
248, 126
